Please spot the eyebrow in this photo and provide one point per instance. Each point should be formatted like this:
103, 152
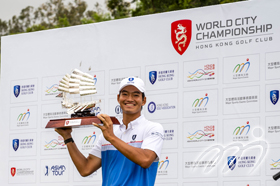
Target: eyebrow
137, 92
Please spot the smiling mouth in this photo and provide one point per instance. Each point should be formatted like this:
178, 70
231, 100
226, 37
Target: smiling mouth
129, 104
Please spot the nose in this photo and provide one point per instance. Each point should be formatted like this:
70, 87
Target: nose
129, 97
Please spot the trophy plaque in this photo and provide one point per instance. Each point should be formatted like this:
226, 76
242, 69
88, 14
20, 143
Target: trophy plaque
78, 85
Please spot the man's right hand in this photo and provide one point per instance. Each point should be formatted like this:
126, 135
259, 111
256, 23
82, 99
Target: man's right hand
64, 132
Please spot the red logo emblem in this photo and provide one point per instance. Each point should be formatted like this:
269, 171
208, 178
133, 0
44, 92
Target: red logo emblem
67, 122
13, 171
181, 33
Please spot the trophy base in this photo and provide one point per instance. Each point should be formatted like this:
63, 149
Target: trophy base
77, 122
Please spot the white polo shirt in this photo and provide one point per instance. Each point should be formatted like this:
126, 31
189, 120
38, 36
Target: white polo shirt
116, 168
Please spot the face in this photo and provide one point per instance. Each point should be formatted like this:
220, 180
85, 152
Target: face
130, 100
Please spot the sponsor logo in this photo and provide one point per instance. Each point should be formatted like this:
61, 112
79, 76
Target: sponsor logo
240, 130
88, 142
198, 102
89, 139
13, 171
162, 167
168, 135
199, 135
24, 116
94, 79
275, 164
15, 144
52, 89
240, 70
55, 144
134, 137
240, 133
23, 144
152, 107
231, 162
240, 67
162, 163
202, 74
57, 170
274, 96
118, 109
16, 90
181, 32
23, 90
161, 76
130, 79
241, 99
153, 76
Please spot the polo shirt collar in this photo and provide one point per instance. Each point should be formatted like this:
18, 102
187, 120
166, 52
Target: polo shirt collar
133, 123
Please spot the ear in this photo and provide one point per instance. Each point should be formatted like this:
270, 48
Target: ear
118, 98
144, 101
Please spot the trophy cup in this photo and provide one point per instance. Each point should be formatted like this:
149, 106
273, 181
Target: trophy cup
82, 85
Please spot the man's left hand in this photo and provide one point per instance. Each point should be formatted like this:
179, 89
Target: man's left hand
107, 127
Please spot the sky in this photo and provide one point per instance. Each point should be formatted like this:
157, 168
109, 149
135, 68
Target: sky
9, 8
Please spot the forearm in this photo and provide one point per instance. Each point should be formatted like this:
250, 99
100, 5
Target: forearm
77, 157
142, 157
82, 163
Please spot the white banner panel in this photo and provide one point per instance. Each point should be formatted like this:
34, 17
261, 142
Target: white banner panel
162, 76
162, 106
201, 103
54, 170
201, 72
241, 100
22, 171
23, 117
212, 81
24, 90
23, 144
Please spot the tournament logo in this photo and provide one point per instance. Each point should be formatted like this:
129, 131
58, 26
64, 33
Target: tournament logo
13, 171
151, 107
274, 96
231, 162
153, 76
16, 90
181, 32
57, 170
15, 144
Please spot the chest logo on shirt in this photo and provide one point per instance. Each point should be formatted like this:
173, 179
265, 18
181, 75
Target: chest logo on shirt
134, 137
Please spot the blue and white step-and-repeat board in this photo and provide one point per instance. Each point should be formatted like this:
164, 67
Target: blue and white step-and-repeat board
212, 76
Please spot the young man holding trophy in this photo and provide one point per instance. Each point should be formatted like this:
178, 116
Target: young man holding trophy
129, 152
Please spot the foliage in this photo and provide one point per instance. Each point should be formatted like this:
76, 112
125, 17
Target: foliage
57, 14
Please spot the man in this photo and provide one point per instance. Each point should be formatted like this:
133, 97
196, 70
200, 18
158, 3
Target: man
129, 152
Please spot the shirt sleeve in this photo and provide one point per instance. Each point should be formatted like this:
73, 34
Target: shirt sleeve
96, 150
154, 139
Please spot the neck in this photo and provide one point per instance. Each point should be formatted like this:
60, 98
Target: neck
127, 118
